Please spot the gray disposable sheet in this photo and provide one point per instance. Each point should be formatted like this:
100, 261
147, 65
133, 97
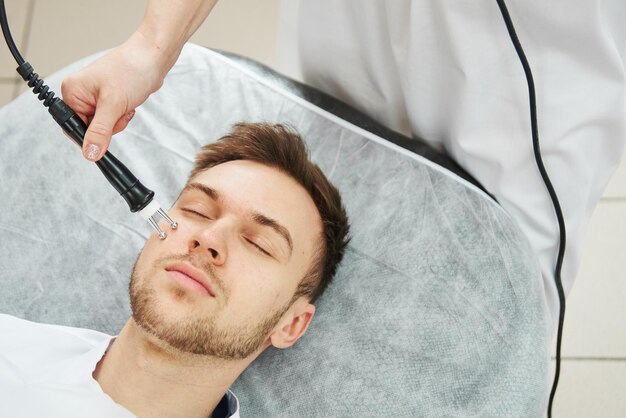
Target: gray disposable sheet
435, 312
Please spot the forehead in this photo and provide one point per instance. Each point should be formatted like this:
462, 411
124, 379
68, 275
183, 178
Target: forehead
250, 187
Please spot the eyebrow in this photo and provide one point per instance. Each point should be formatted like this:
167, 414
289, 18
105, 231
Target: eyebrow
257, 217
211, 193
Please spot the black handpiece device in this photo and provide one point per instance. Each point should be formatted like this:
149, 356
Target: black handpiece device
138, 197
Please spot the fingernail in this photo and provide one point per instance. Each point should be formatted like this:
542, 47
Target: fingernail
92, 151
130, 115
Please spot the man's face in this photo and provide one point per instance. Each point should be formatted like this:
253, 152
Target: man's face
250, 233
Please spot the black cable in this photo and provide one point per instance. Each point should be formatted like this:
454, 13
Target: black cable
7, 35
548, 183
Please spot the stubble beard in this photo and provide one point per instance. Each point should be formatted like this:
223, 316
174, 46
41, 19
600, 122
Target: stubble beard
197, 333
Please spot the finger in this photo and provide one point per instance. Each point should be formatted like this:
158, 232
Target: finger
99, 132
76, 96
123, 122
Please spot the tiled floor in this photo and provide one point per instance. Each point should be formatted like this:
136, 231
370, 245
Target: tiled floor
594, 348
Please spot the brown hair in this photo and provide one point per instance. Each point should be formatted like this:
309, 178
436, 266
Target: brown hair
282, 147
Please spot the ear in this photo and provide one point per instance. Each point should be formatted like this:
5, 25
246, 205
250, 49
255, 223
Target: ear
293, 324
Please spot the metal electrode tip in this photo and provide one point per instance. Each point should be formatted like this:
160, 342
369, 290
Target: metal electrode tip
173, 224
153, 214
155, 226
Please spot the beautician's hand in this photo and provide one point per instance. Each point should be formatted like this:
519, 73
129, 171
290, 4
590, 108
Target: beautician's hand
106, 93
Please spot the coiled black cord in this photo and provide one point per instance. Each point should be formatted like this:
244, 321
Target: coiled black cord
42, 90
548, 183
25, 69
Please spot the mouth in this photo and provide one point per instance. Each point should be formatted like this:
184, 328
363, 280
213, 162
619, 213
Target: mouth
189, 276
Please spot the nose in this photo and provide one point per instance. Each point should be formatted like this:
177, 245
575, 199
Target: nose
210, 241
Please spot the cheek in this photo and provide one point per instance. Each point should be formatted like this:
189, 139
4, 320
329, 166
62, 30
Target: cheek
176, 238
256, 292
254, 303
155, 248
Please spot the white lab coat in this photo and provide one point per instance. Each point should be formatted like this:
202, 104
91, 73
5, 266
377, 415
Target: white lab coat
447, 71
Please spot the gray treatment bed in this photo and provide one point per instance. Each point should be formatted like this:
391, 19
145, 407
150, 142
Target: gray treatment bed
435, 312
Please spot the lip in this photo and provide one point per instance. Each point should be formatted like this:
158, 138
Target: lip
192, 273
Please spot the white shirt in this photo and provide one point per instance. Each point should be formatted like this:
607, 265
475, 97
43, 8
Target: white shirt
46, 371
446, 71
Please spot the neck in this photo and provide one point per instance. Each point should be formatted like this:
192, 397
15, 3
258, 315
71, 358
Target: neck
150, 378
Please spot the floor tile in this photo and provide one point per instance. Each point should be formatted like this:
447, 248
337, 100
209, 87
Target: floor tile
596, 309
81, 28
245, 27
617, 184
17, 11
591, 389
6, 93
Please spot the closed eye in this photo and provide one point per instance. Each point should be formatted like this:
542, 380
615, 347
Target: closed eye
254, 244
193, 212
258, 247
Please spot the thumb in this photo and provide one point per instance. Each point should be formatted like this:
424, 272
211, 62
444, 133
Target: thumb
99, 132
